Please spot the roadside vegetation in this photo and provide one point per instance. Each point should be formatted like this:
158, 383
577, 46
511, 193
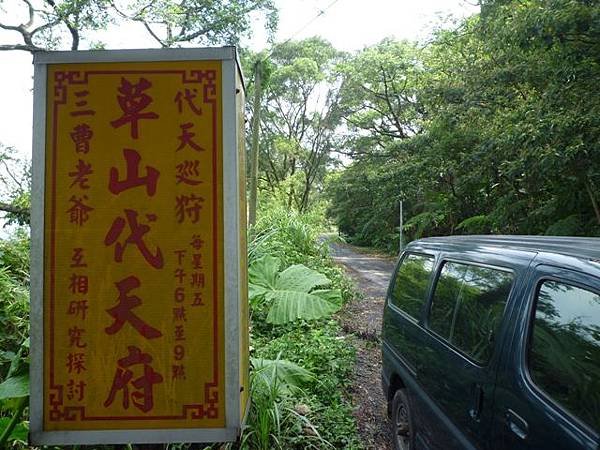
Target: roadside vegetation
14, 339
301, 361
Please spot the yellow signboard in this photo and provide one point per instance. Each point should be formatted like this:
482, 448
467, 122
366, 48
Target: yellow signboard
134, 306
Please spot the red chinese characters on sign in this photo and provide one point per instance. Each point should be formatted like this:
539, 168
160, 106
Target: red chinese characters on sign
77, 260
137, 232
76, 362
76, 337
133, 178
80, 175
119, 217
79, 212
188, 173
188, 206
197, 276
178, 372
76, 389
81, 136
79, 284
186, 138
142, 397
122, 313
187, 97
133, 100
81, 104
77, 308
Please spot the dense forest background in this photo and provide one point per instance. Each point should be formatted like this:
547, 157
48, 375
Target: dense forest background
492, 126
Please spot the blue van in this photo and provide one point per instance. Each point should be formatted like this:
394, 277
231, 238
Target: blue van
493, 343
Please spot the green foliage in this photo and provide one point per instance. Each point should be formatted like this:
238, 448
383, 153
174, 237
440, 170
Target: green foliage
201, 21
293, 238
378, 95
14, 295
15, 187
292, 293
475, 225
285, 234
14, 387
272, 382
14, 394
278, 372
315, 413
14, 342
503, 113
19, 434
57, 24
318, 348
299, 117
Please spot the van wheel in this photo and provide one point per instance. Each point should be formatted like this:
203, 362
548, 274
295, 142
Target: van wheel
402, 424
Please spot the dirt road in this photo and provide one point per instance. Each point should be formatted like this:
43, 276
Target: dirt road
362, 318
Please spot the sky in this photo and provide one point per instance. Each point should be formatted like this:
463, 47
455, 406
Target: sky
348, 24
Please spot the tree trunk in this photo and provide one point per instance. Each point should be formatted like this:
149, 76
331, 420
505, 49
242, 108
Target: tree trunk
255, 142
590, 192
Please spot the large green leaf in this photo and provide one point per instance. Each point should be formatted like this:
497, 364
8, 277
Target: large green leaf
279, 374
289, 291
292, 305
262, 274
15, 387
301, 278
333, 296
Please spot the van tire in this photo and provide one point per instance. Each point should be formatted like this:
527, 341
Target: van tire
403, 435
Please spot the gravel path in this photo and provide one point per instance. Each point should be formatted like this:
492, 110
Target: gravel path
362, 318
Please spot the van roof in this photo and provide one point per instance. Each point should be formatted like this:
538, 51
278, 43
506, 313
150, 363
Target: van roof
580, 247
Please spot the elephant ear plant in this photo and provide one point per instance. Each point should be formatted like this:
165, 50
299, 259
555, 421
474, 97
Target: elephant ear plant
291, 294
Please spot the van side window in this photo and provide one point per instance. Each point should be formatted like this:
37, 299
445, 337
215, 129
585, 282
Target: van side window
468, 305
564, 351
411, 283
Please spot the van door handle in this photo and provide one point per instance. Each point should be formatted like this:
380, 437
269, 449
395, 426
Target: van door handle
475, 411
517, 424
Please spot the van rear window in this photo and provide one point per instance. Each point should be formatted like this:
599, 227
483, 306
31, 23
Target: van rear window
468, 306
564, 355
411, 283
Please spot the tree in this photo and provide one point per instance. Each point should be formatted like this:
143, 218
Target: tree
56, 24
48, 24
299, 119
508, 131
171, 23
379, 96
15, 181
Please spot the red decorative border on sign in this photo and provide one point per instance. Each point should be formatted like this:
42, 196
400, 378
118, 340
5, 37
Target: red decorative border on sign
210, 408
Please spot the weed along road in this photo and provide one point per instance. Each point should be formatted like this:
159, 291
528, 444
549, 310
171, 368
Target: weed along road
362, 318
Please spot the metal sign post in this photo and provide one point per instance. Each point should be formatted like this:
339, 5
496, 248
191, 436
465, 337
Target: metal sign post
139, 303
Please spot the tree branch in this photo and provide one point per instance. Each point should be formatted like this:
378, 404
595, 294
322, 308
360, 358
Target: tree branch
24, 47
64, 19
6, 207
